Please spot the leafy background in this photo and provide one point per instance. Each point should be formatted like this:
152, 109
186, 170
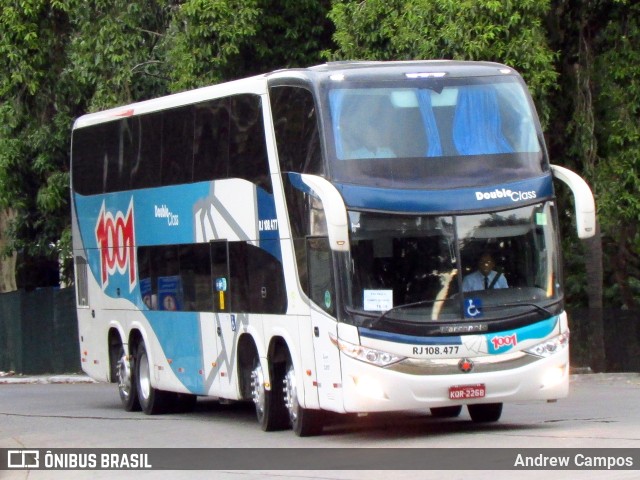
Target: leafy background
62, 58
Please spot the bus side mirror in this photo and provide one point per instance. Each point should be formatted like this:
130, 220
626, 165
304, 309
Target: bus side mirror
334, 210
585, 205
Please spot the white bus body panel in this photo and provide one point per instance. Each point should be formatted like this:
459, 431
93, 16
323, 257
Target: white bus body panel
405, 392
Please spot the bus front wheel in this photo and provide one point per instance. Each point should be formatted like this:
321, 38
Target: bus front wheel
485, 412
446, 412
304, 422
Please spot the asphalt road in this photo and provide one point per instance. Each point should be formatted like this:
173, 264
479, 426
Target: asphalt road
602, 411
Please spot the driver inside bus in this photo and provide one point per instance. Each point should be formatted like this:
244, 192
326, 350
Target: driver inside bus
485, 278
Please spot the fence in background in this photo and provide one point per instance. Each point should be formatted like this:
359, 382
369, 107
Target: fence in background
39, 334
606, 340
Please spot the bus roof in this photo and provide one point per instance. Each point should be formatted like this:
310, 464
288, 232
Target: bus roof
353, 70
362, 70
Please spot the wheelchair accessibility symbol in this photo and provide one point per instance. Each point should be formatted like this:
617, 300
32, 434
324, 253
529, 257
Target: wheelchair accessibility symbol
473, 308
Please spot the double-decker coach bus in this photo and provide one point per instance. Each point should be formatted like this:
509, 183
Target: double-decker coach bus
351, 237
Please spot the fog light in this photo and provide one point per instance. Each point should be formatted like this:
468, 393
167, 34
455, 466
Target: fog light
553, 376
369, 387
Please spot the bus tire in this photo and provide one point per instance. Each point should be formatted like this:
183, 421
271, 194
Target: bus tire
485, 412
152, 401
126, 382
446, 412
304, 422
269, 404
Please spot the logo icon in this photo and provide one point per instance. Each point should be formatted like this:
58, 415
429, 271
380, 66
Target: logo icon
504, 341
23, 459
465, 365
473, 308
115, 237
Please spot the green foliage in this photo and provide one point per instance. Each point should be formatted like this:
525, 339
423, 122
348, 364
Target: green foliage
504, 31
33, 34
62, 58
115, 55
210, 41
617, 177
205, 40
301, 24
596, 126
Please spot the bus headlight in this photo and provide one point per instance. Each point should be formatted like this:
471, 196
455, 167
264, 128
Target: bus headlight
365, 354
553, 376
551, 346
369, 387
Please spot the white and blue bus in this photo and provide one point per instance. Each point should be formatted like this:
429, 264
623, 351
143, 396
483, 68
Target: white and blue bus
307, 240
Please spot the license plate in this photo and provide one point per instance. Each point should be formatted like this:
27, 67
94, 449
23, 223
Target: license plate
462, 392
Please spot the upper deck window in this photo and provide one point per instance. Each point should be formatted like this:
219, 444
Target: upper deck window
211, 140
411, 132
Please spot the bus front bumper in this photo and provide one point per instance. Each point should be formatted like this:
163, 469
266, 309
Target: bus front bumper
368, 388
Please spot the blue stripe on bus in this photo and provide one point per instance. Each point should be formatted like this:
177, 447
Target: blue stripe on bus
506, 195
499, 342
296, 182
504, 341
176, 333
268, 224
161, 216
409, 339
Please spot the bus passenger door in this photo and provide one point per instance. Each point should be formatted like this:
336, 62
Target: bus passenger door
220, 366
323, 323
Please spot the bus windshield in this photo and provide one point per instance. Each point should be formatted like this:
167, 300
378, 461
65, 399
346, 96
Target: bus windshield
425, 269
433, 132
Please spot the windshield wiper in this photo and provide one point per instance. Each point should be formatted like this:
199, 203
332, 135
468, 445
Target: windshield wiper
538, 308
376, 318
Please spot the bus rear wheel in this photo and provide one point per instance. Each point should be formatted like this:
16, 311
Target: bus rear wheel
485, 412
126, 384
304, 422
269, 404
152, 401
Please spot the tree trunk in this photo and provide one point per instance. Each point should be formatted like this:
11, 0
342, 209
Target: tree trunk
7, 263
594, 269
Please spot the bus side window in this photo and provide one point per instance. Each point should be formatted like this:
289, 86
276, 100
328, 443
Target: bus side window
170, 293
256, 280
116, 167
145, 168
88, 162
296, 128
220, 279
320, 268
195, 275
247, 146
175, 277
211, 144
177, 146
82, 284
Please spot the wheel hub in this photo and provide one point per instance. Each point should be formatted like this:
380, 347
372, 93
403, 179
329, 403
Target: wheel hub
291, 394
124, 376
257, 389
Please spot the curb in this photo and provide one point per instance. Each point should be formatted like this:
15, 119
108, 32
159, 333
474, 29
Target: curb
12, 379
